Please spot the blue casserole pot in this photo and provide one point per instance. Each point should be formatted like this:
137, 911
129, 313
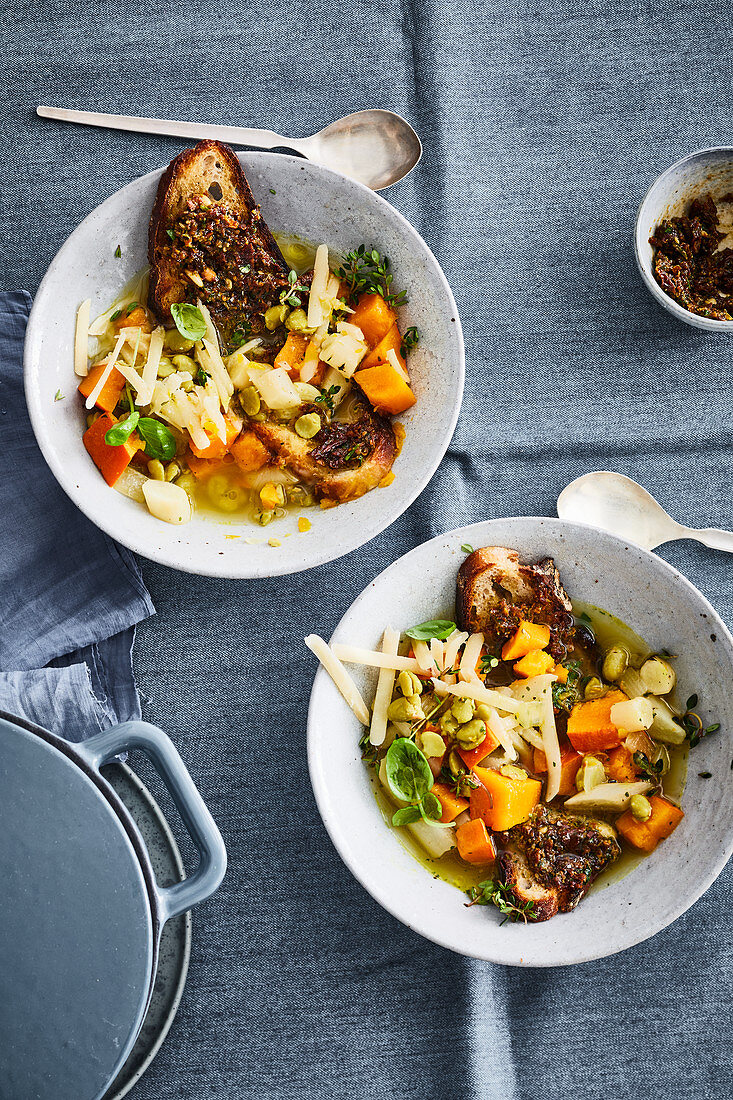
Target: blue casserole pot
80, 911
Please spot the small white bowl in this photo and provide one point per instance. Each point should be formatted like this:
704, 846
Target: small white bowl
669, 196
668, 612
298, 198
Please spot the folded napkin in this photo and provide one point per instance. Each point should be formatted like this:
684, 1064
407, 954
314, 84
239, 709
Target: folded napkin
69, 596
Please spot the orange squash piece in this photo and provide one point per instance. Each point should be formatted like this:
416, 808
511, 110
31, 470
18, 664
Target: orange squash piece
134, 318
570, 762
249, 453
647, 834
590, 728
392, 341
202, 468
292, 353
562, 674
527, 637
217, 447
470, 757
452, 804
111, 461
110, 392
385, 388
512, 800
620, 765
534, 664
374, 317
474, 843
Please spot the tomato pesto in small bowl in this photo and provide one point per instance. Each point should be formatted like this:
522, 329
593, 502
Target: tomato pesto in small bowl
525, 746
243, 375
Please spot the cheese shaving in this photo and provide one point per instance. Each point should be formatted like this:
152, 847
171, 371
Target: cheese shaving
354, 655
81, 339
340, 676
212, 362
210, 334
394, 362
102, 380
150, 370
385, 684
318, 287
423, 657
497, 727
478, 692
470, 658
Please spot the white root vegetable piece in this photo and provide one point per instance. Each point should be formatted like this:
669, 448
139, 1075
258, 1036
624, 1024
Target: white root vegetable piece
238, 366
478, 692
354, 655
500, 732
319, 284
531, 736
632, 714
469, 660
665, 727
81, 339
383, 694
102, 380
538, 689
130, 484
167, 501
343, 350
607, 796
340, 676
275, 388
435, 839
659, 677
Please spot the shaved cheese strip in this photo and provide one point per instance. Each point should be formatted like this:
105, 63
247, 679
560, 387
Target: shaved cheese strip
394, 361
383, 694
102, 380
340, 676
437, 653
423, 658
131, 375
81, 339
470, 658
210, 333
150, 370
318, 287
539, 689
478, 692
499, 730
213, 364
452, 646
353, 655
532, 737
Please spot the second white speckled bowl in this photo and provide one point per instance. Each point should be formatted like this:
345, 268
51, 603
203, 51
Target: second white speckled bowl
668, 612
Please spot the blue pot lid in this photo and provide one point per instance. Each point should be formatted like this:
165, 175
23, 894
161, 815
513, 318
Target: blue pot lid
76, 927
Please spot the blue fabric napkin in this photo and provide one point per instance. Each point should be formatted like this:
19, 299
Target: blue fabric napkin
69, 597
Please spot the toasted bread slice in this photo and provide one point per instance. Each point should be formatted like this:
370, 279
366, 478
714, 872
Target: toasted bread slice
207, 240
493, 577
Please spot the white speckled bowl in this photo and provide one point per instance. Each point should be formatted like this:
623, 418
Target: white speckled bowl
315, 204
667, 611
669, 196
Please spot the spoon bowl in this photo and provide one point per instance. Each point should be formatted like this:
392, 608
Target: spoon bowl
620, 506
376, 147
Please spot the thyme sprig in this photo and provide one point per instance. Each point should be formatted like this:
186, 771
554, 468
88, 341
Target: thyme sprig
366, 271
693, 725
493, 892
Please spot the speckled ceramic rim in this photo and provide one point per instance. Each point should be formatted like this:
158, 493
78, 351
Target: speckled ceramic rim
638, 906
641, 237
207, 552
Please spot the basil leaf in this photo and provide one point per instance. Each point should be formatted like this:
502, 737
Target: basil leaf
430, 807
160, 441
406, 815
122, 430
408, 771
466, 548
189, 320
434, 628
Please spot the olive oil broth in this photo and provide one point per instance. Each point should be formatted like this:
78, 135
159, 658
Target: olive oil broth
608, 631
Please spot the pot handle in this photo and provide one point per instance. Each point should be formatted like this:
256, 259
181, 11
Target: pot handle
162, 753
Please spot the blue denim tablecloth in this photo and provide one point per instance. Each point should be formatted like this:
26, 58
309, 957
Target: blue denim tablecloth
543, 125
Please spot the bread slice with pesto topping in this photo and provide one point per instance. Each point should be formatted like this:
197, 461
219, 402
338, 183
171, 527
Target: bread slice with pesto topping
208, 241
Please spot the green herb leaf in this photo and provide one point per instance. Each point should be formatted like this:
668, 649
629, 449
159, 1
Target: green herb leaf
466, 548
408, 771
201, 377
493, 892
273, 191
160, 441
431, 807
406, 815
189, 320
118, 252
410, 340
171, 234
584, 617
131, 307
433, 628
120, 432
691, 702
59, 396
366, 272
